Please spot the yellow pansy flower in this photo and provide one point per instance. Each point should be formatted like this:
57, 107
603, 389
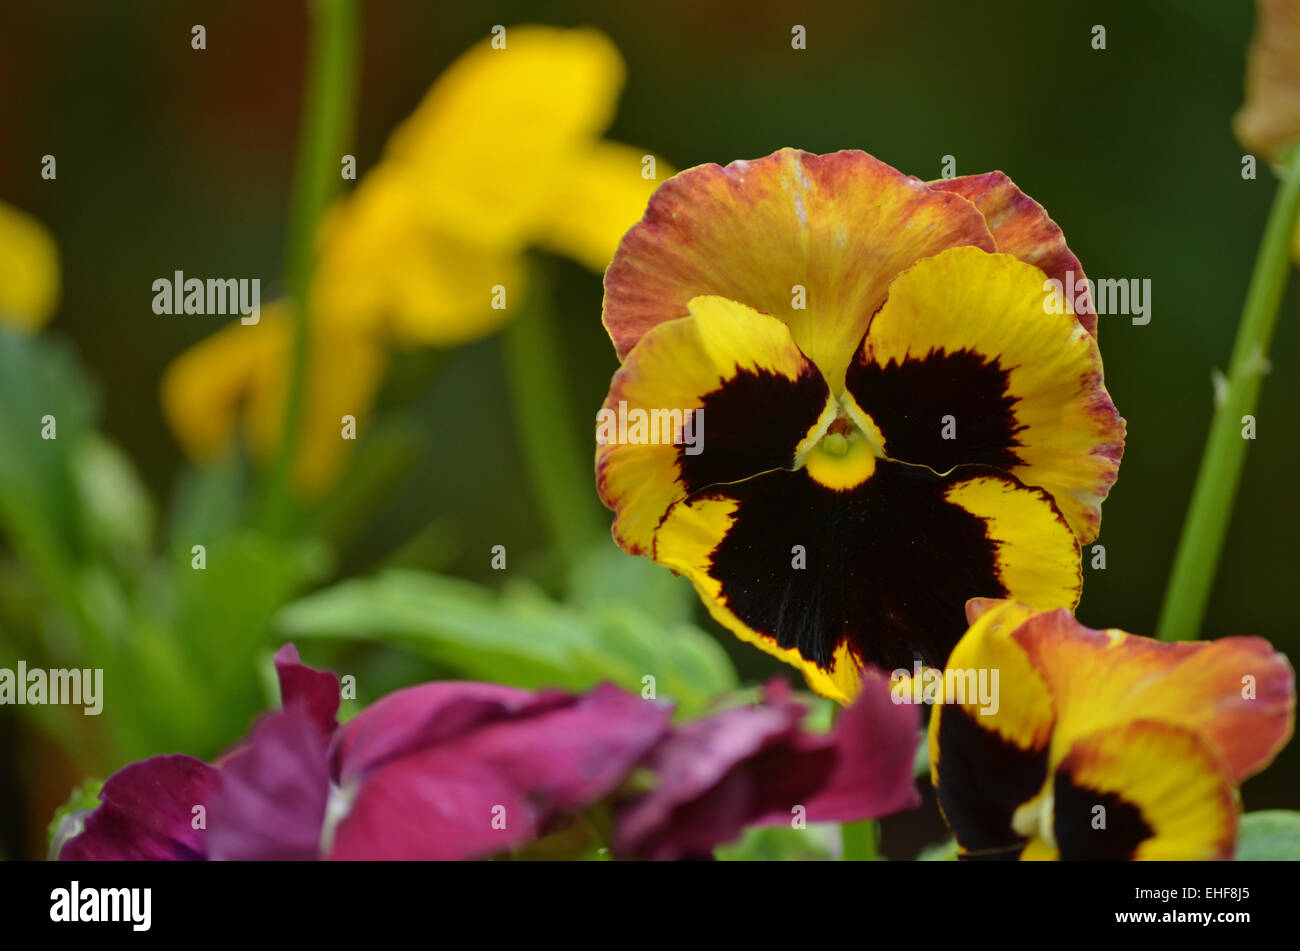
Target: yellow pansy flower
503, 153
29, 270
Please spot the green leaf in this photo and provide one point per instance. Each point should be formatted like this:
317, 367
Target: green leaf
70, 818
42, 394
1271, 835
519, 637
780, 843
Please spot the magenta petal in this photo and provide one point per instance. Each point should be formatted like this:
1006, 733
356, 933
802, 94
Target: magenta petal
875, 743
147, 812
756, 766
315, 692
499, 784
718, 775
422, 717
273, 791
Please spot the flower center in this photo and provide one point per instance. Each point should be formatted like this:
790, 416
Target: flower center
1034, 819
843, 459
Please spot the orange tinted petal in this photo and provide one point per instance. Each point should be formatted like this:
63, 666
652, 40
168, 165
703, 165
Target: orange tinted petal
1021, 227
840, 226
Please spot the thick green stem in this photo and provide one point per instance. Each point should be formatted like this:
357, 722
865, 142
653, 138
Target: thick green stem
1225, 451
328, 104
560, 466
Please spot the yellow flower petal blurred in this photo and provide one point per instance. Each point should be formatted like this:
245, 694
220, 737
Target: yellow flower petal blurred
29, 270
599, 197
501, 127
382, 267
240, 375
1270, 118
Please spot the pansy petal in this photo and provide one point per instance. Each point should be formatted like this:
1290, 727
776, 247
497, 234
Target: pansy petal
344, 373
875, 744
762, 403
1238, 692
840, 227
501, 784
963, 365
29, 270
272, 798
1143, 790
315, 692
501, 126
890, 562
1021, 227
713, 777
986, 760
426, 716
600, 196
384, 268
204, 390
147, 813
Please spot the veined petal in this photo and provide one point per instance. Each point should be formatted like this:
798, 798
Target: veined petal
890, 562
501, 126
147, 813
963, 365
1143, 790
597, 199
986, 761
29, 270
1237, 693
1021, 227
839, 226
761, 401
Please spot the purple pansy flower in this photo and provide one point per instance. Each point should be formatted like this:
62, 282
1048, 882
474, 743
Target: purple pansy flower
467, 770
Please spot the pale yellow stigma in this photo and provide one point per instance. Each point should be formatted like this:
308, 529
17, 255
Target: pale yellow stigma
842, 460
1035, 818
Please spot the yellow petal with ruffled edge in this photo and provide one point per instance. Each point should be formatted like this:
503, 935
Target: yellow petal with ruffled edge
755, 403
964, 365
1143, 790
501, 127
1022, 227
29, 270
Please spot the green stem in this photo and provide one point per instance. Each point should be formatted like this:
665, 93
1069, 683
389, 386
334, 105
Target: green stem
559, 465
328, 105
859, 841
1225, 451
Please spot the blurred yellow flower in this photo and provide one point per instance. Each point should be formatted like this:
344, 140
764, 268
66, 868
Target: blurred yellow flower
29, 270
503, 153
240, 375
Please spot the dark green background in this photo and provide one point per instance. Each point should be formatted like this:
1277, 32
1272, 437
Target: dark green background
170, 158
